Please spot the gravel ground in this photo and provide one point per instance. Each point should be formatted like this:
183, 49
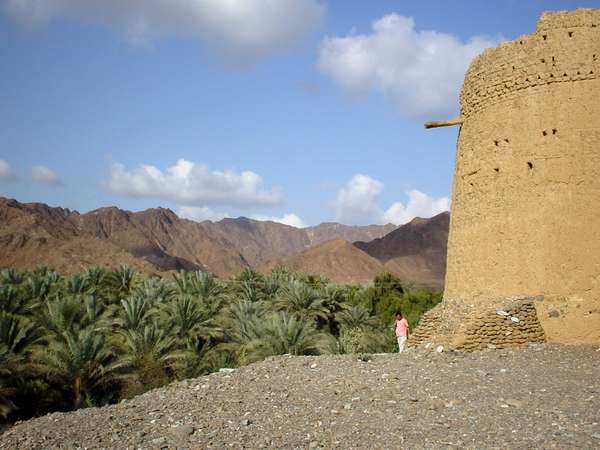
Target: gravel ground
541, 396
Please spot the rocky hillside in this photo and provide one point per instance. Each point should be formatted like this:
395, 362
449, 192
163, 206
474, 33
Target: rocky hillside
152, 240
415, 252
419, 400
337, 259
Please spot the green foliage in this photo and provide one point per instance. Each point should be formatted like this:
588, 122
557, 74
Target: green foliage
98, 336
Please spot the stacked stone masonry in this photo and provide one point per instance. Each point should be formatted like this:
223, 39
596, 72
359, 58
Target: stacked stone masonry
505, 326
526, 191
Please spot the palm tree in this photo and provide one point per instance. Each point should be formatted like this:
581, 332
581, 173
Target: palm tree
203, 284
246, 291
155, 290
284, 334
40, 283
135, 313
271, 287
242, 321
152, 352
249, 275
10, 277
151, 341
95, 278
18, 336
77, 284
122, 282
356, 316
13, 301
301, 300
60, 314
82, 363
191, 317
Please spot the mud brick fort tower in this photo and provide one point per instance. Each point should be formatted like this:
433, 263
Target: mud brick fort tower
524, 245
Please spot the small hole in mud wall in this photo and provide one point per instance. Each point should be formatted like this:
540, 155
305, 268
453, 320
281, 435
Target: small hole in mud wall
496, 143
496, 169
570, 34
530, 164
544, 36
543, 60
544, 133
554, 131
506, 140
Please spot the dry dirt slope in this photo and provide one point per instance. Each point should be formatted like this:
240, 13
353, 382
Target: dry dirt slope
541, 396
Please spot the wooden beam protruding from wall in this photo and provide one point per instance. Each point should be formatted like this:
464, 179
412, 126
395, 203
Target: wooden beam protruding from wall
444, 123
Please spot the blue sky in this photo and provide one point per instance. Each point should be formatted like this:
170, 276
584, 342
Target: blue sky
298, 110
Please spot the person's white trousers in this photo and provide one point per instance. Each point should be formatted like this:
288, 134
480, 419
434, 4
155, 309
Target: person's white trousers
401, 343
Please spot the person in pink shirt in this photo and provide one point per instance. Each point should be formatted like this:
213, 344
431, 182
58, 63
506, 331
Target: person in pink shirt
402, 328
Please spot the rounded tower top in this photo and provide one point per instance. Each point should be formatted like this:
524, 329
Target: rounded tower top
564, 48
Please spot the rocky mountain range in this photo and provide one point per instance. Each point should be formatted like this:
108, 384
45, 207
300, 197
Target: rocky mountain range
415, 251
157, 240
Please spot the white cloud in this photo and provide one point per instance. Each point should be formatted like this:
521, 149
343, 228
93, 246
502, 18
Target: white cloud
243, 31
5, 172
420, 71
288, 219
200, 213
45, 175
193, 184
419, 205
357, 204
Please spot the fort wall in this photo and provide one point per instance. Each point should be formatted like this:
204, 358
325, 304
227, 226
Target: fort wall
526, 195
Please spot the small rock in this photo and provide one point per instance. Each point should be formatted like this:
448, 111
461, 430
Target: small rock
452, 403
226, 370
492, 346
348, 406
596, 435
313, 366
183, 431
514, 403
436, 405
159, 441
439, 349
502, 313
514, 319
246, 422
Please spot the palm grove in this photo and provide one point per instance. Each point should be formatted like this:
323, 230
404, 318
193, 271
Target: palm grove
99, 336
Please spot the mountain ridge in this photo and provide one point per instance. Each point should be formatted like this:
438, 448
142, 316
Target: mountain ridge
157, 240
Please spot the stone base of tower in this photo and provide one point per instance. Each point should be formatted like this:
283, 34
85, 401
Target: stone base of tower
459, 325
495, 324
